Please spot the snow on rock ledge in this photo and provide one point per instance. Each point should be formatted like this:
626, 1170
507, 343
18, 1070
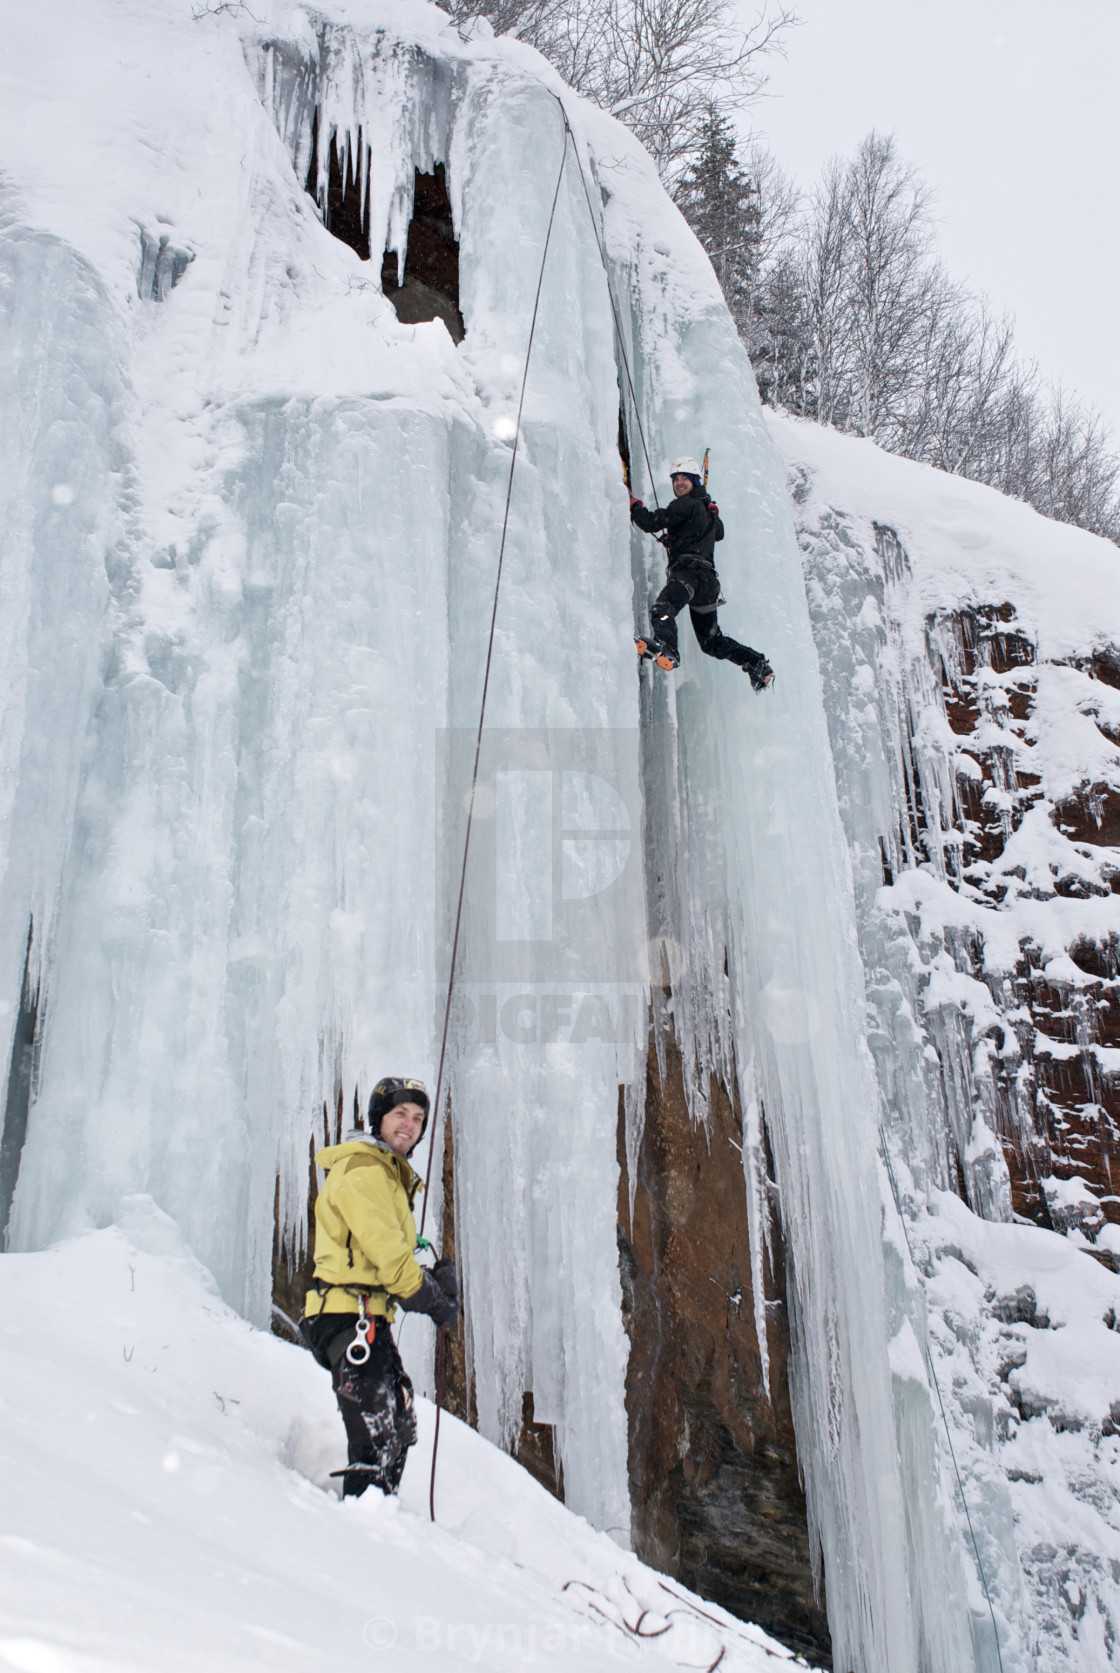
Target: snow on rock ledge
971, 658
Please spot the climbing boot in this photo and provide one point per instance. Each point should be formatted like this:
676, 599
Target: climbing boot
761, 674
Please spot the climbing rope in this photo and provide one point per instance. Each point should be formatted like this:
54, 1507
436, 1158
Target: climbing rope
941, 1403
614, 310
568, 135
474, 775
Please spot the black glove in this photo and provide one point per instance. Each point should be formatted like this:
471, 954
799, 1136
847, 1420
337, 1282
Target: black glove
430, 1298
446, 1277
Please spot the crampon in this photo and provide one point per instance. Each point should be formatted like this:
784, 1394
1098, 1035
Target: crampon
652, 650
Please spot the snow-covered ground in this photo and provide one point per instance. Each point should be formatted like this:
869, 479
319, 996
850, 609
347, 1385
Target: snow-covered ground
167, 1505
966, 542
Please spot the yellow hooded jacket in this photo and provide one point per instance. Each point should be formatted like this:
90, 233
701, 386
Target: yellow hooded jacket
364, 1231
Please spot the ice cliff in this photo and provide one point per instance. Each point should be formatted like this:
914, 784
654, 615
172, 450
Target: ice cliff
252, 510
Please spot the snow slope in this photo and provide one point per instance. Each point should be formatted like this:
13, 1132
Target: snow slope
168, 1504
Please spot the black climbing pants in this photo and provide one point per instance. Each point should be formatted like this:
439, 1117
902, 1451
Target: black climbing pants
375, 1400
696, 584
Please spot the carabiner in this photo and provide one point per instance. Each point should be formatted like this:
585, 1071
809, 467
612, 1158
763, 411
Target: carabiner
358, 1350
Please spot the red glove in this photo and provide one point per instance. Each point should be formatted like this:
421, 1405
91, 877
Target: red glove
713, 508
634, 500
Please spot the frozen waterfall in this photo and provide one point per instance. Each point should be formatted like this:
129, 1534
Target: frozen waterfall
251, 527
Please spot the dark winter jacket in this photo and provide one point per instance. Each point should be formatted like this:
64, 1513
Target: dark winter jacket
691, 530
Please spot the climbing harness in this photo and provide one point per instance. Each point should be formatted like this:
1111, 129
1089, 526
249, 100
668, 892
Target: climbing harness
941, 1403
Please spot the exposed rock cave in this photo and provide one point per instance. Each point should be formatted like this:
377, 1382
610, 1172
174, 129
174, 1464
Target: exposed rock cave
429, 287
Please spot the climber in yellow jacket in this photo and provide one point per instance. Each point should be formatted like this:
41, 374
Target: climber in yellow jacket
365, 1267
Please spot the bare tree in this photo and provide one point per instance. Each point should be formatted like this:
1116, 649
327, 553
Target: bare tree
666, 63
824, 266
964, 397
1010, 457
658, 65
776, 200
1077, 467
886, 279
851, 321
523, 18
779, 200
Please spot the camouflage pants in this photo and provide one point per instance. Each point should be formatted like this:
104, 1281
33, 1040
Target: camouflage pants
375, 1400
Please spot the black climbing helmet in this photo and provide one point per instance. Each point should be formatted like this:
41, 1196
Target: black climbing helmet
390, 1092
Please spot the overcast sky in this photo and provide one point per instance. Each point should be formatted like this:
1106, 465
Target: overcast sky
1011, 110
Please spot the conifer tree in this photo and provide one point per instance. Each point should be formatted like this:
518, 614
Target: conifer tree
721, 204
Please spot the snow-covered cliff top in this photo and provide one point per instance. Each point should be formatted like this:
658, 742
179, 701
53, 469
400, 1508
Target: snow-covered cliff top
967, 543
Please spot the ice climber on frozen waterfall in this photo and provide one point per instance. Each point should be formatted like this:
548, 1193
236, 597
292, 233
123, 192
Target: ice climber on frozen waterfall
690, 526
366, 1267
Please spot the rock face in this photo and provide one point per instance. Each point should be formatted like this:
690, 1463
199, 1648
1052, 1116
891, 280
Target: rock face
1055, 1083
979, 777
715, 1492
970, 659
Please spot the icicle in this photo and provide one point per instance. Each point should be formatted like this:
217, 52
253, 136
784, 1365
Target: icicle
756, 1177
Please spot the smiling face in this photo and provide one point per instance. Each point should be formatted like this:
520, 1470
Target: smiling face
682, 485
402, 1126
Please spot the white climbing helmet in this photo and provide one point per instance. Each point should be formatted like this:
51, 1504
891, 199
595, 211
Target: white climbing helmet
685, 467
